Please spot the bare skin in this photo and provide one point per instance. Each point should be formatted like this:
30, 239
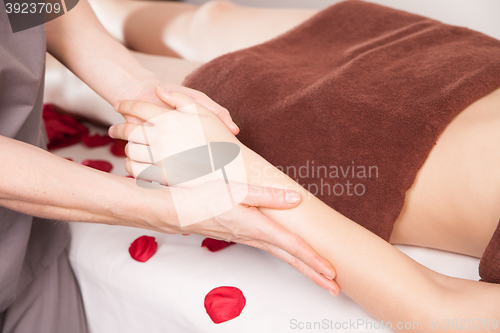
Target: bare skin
194, 33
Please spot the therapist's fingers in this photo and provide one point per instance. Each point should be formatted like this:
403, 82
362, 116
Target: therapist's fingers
268, 197
140, 109
270, 236
275, 234
308, 272
138, 152
127, 132
133, 120
203, 100
179, 100
145, 171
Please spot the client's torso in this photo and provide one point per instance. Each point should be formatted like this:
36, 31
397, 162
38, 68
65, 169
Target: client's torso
454, 203
361, 88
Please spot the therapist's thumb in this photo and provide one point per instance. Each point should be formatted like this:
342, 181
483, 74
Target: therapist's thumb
268, 197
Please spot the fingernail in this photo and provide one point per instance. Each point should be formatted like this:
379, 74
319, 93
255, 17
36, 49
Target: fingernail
328, 277
235, 126
292, 197
110, 131
332, 293
117, 105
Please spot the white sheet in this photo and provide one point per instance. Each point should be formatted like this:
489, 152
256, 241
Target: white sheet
166, 294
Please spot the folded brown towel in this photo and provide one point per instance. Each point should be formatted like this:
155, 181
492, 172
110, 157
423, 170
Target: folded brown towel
489, 267
351, 102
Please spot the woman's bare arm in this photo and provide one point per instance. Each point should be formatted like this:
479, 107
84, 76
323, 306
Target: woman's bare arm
69, 92
387, 283
383, 280
39, 183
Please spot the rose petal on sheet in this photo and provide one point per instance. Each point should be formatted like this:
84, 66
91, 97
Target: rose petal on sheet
62, 130
118, 148
224, 303
143, 248
98, 164
215, 245
96, 140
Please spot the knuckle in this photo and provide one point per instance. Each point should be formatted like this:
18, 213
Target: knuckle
258, 234
294, 262
120, 131
135, 106
272, 195
240, 190
127, 131
127, 149
128, 166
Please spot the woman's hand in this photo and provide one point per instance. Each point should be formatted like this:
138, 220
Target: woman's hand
244, 223
149, 90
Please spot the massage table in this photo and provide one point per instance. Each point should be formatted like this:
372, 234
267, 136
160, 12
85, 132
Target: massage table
166, 293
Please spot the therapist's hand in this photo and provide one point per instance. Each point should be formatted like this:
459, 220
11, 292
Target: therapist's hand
145, 91
244, 223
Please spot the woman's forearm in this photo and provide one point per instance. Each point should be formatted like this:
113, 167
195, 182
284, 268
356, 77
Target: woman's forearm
79, 41
376, 275
36, 182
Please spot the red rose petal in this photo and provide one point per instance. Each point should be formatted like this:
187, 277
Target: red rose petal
96, 140
143, 248
224, 303
118, 148
98, 164
215, 245
62, 130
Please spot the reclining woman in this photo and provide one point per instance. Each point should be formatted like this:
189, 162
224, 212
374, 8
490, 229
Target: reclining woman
442, 188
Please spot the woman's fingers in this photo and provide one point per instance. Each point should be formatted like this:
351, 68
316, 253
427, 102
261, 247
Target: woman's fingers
138, 171
133, 120
268, 197
138, 153
128, 132
174, 99
250, 226
179, 100
140, 109
275, 234
304, 269
203, 100
218, 110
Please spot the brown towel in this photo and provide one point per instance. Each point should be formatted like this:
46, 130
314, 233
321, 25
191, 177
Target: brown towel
351, 102
489, 267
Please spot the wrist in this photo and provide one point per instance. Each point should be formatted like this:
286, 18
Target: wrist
157, 211
137, 85
143, 208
